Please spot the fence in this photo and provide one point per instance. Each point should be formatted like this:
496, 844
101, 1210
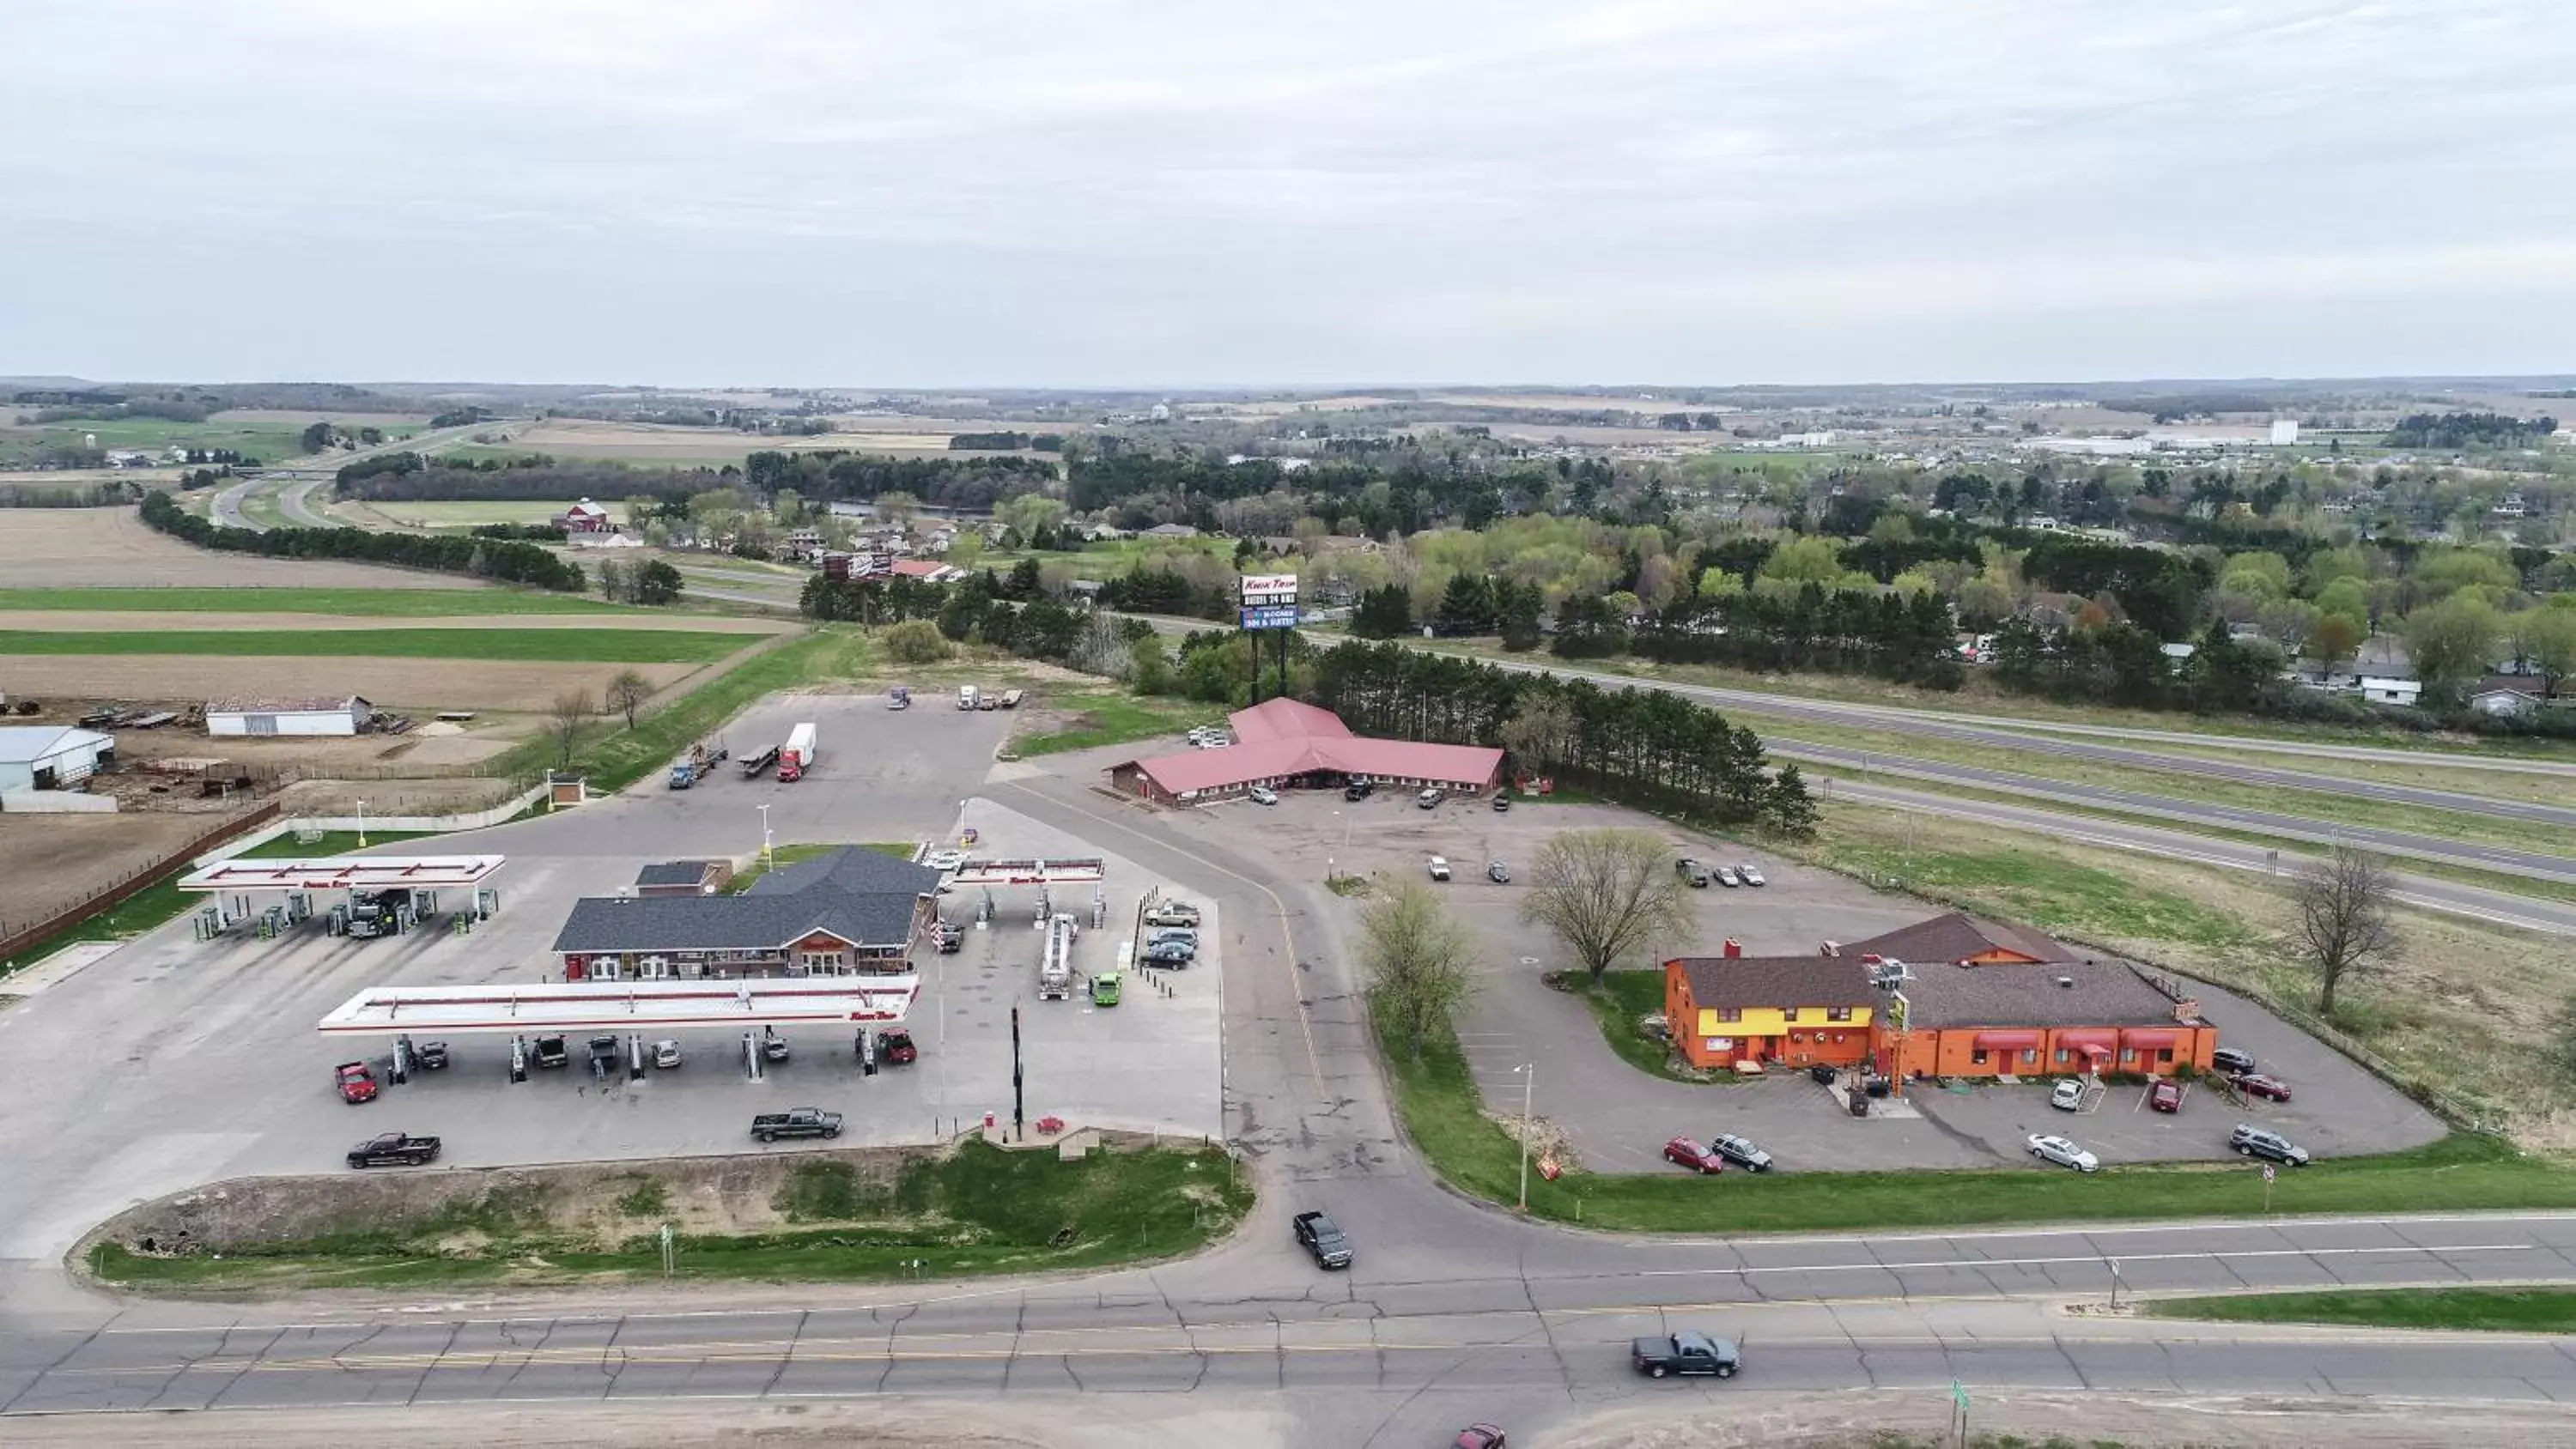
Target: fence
17, 937
405, 824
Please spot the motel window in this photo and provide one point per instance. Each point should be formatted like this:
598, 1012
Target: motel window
2128, 1054
2061, 1056
1791, 1014
1838, 1013
1977, 1057
1730, 1013
2165, 1054
2030, 1057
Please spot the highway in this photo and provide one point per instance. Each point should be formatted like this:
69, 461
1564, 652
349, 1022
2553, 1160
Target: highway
1453, 1310
295, 483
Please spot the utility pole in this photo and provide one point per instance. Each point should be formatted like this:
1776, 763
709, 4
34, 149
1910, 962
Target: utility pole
1019, 1128
1529, 1087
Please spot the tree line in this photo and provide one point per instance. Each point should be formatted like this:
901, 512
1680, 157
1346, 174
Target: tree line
829, 475
409, 477
498, 559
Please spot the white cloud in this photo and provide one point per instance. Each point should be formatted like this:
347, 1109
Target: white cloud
1114, 191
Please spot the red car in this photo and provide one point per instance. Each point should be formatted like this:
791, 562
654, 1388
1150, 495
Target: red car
1690, 1152
895, 1048
357, 1083
1480, 1436
2165, 1095
2256, 1084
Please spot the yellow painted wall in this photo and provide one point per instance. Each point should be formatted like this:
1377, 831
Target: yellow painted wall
1771, 1021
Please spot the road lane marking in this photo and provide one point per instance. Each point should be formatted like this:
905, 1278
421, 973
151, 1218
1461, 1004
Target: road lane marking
2094, 1258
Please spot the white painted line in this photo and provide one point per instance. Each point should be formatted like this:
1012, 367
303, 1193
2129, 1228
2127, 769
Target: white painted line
2088, 1258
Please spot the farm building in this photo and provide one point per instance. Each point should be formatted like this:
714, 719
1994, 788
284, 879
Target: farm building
584, 517
49, 757
849, 912
1286, 744
257, 717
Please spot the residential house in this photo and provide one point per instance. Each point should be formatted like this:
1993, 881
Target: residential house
1744, 1012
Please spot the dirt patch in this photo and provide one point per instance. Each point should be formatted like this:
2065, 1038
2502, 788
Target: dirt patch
411, 686
47, 862
91, 547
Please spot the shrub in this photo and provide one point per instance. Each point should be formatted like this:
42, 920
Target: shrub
916, 641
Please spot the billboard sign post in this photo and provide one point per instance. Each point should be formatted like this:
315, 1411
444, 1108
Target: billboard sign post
1269, 603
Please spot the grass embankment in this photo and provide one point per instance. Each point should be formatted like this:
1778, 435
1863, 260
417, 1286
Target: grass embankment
979, 1211
2496, 1310
1110, 718
163, 901
344, 603
550, 646
785, 855
2322, 809
1438, 1102
1623, 1000
618, 758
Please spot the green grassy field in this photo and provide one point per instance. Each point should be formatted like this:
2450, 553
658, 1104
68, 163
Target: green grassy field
560, 646
2497, 1310
981, 1211
445, 513
270, 441
347, 603
1625, 998
616, 757
1112, 719
1440, 1107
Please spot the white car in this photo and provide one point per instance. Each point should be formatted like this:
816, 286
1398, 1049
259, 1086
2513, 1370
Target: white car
1750, 876
1439, 867
1263, 795
666, 1053
2064, 1153
1727, 877
2067, 1096
944, 860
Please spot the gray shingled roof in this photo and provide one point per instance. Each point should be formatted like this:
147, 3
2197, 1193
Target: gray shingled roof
861, 896
1956, 937
1756, 981
672, 872
2108, 993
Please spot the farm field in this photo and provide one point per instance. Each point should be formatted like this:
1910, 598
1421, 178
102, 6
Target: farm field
363, 603
110, 621
52, 548
269, 441
47, 862
568, 645
442, 514
403, 685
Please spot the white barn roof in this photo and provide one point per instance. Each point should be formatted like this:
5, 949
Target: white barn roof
30, 744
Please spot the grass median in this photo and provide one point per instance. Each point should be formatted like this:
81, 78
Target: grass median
2492, 1310
851, 1217
1443, 1114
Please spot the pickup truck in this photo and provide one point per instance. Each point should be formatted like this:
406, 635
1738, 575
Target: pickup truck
394, 1147
550, 1051
1321, 1236
1685, 1353
796, 1122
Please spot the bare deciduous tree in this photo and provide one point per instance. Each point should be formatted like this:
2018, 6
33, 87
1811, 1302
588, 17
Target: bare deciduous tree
564, 720
627, 693
1606, 893
2344, 927
1540, 733
1418, 957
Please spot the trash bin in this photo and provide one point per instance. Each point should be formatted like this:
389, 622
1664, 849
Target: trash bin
1859, 1105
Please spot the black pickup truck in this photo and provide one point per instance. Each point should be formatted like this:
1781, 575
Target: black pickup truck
796, 1122
396, 1148
1321, 1236
1685, 1353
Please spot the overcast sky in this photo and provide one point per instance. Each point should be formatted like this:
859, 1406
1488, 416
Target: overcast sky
1089, 192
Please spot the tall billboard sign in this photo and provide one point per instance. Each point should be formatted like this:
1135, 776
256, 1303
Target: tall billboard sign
1270, 601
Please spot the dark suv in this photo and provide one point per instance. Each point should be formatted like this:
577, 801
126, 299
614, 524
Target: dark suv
1358, 790
2253, 1141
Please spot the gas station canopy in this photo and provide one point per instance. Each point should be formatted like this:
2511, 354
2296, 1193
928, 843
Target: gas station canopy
363, 873
1027, 872
623, 1005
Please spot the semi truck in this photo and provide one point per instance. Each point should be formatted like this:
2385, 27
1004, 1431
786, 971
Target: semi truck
967, 696
690, 771
797, 755
1055, 969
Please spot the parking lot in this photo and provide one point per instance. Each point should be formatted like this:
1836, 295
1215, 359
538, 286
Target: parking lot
173, 1062
1618, 1118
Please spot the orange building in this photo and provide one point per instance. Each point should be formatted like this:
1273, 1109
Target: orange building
1952, 996
1735, 1011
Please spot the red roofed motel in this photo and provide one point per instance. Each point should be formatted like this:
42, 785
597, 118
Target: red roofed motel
1288, 745
1949, 997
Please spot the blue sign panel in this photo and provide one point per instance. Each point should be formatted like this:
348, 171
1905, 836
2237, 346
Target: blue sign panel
1276, 616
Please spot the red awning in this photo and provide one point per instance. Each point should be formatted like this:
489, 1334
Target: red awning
2098, 1043
2007, 1041
2148, 1037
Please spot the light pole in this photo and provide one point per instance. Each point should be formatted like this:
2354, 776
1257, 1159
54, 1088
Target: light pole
2115, 1283
1528, 1072
362, 825
767, 856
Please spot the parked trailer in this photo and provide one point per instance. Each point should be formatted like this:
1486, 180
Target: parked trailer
798, 755
966, 696
752, 765
1055, 970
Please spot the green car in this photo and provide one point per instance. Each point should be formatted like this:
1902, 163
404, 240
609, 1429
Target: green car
1104, 989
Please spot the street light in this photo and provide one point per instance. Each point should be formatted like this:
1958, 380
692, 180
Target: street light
362, 825
767, 856
1528, 1073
